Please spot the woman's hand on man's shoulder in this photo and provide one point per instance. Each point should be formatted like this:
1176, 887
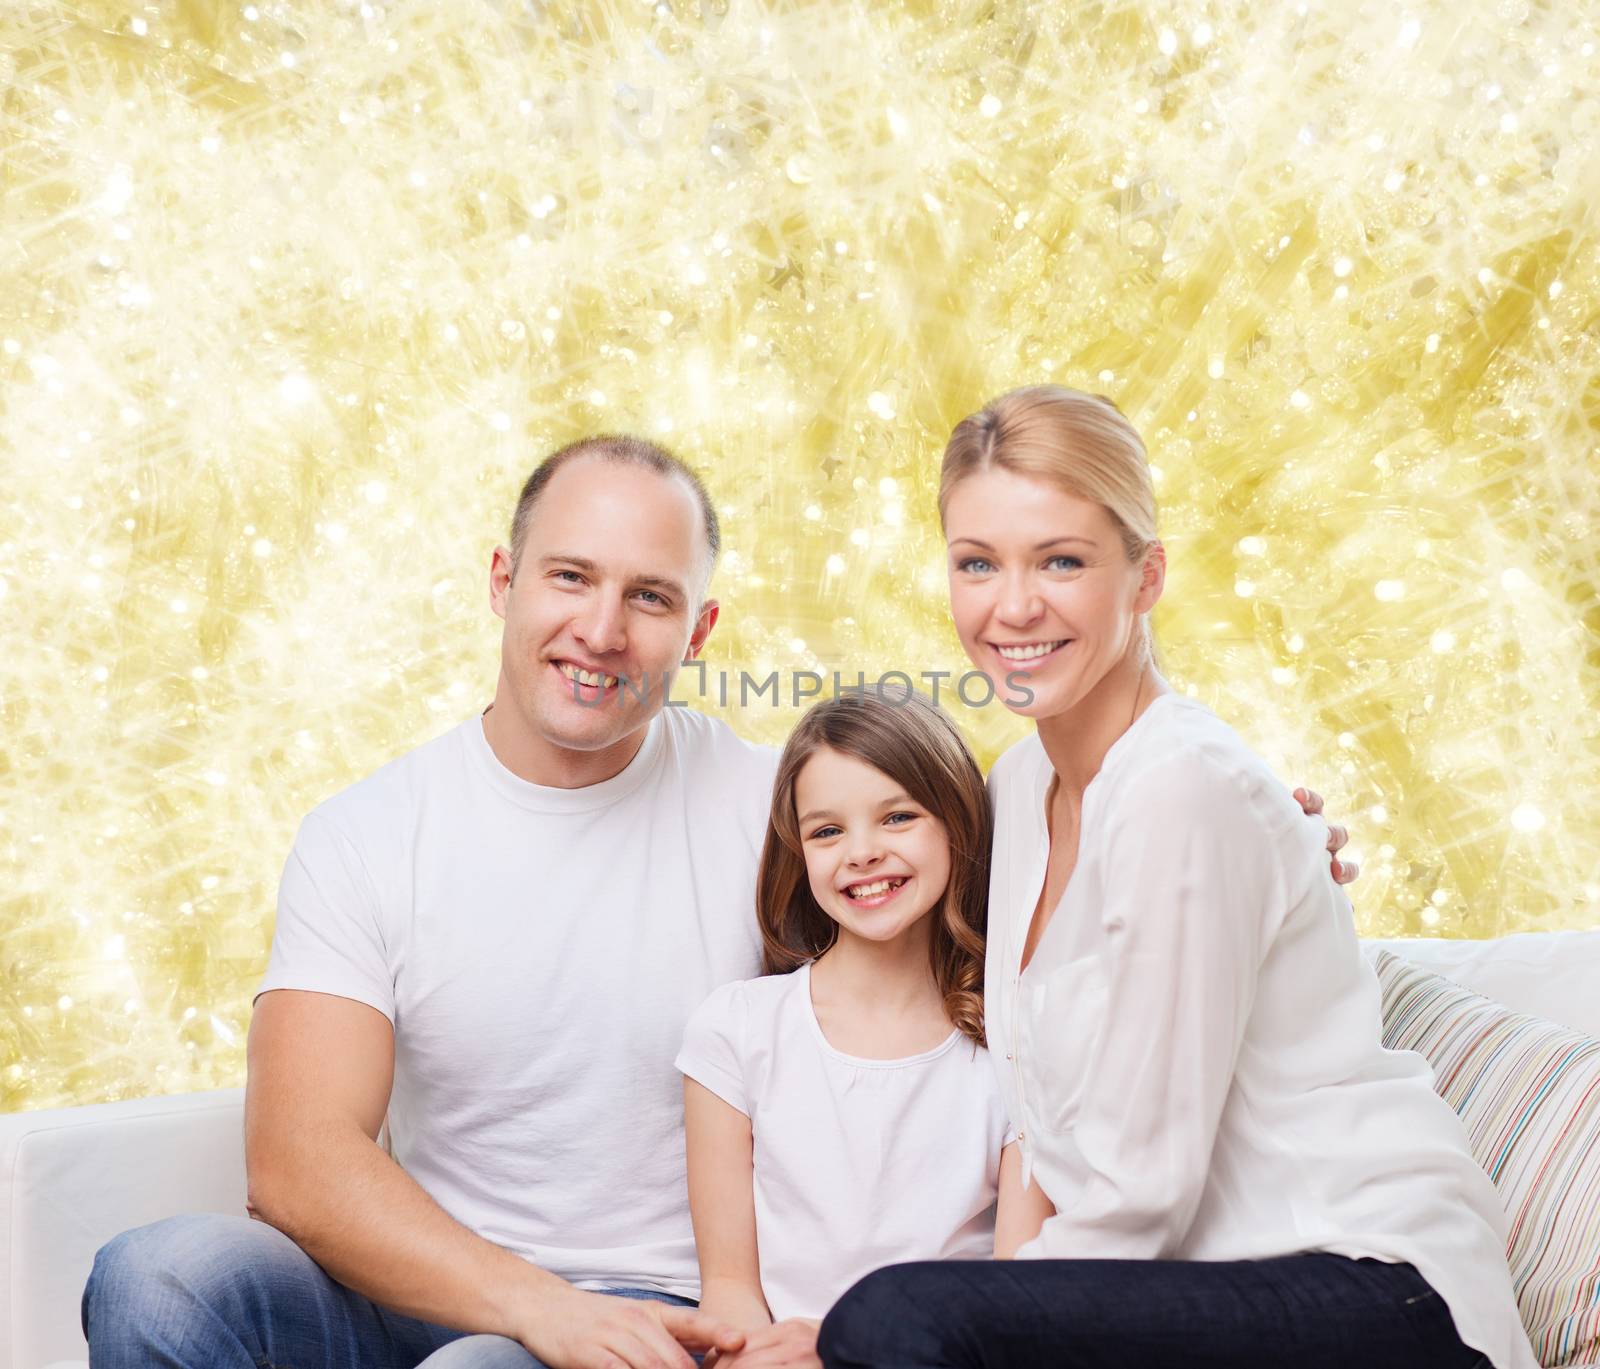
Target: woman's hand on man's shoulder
1343, 871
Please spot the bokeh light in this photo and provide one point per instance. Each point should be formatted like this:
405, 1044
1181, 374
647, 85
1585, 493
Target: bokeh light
293, 294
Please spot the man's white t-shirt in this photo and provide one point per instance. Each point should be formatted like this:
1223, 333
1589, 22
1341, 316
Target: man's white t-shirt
539, 951
858, 1163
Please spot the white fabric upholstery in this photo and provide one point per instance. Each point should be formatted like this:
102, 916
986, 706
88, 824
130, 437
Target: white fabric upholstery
71, 1179
1553, 975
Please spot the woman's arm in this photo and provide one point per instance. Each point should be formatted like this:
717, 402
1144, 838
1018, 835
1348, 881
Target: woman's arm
722, 1206
1147, 1029
1021, 1211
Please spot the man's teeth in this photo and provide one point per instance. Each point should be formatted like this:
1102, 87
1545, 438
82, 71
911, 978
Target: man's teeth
1029, 652
587, 677
878, 886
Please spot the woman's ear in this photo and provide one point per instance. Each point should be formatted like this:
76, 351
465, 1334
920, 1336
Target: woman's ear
1152, 578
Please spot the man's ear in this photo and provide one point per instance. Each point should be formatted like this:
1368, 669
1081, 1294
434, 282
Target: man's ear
499, 580
1152, 578
702, 628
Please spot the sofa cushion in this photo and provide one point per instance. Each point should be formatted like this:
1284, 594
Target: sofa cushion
1528, 1094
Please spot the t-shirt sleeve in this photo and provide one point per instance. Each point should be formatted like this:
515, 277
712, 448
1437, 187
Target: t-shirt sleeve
713, 1042
328, 937
1000, 1122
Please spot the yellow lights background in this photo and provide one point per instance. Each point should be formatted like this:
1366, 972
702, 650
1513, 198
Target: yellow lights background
292, 296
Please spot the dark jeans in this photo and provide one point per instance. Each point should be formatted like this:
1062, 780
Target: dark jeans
1299, 1312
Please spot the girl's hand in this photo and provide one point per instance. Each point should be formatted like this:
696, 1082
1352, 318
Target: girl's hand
790, 1344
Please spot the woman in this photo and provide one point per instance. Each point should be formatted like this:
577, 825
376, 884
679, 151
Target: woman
1231, 1170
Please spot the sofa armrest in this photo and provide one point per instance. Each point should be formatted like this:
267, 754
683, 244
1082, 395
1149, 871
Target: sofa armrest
72, 1178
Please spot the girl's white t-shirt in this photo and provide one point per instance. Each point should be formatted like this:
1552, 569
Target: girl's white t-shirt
858, 1163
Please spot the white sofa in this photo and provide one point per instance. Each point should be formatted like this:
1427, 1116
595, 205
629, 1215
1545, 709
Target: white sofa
71, 1179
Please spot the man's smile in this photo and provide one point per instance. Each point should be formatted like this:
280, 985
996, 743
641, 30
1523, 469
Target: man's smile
594, 679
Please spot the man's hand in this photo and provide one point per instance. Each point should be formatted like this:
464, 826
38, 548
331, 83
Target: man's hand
790, 1344
1344, 871
580, 1330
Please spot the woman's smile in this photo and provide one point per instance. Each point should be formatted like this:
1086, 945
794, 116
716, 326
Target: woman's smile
1027, 656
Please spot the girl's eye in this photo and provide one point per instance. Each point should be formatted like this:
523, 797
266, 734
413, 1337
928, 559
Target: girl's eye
1064, 563
909, 817
823, 833
974, 565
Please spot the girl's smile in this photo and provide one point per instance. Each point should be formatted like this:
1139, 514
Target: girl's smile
874, 893
876, 860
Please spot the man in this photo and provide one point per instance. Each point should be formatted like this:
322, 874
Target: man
493, 942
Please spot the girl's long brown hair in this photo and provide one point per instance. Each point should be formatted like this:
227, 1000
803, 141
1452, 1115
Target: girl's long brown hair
914, 742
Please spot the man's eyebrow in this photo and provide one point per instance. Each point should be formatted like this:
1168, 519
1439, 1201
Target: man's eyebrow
661, 582
583, 563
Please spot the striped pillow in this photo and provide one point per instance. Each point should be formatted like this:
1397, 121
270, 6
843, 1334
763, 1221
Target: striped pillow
1528, 1093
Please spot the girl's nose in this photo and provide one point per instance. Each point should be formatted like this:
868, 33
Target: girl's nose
864, 852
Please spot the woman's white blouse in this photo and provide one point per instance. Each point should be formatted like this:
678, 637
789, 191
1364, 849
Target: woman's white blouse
1193, 1056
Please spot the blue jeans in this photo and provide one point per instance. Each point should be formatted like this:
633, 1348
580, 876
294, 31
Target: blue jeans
1309, 1311
215, 1292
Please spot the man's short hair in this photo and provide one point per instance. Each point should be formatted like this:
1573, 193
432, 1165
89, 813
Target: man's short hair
623, 451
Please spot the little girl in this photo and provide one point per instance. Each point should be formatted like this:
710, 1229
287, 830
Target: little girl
842, 1113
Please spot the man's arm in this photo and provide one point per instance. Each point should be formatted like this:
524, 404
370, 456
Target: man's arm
320, 1072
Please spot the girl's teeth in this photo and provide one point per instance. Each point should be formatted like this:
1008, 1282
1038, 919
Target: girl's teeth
881, 886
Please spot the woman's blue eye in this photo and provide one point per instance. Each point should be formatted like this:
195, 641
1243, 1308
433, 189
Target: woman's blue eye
1071, 562
975, 565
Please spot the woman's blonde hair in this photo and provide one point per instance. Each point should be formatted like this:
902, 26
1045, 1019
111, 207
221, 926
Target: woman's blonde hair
1078, 442
914, 742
